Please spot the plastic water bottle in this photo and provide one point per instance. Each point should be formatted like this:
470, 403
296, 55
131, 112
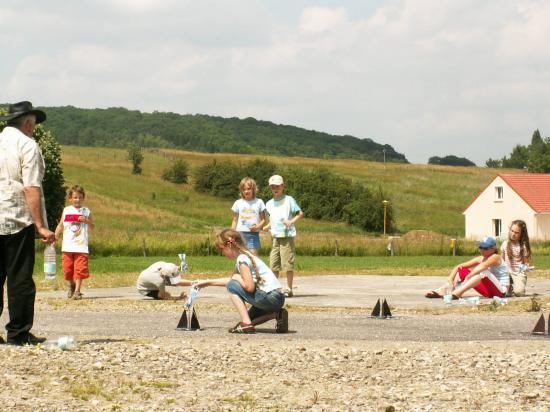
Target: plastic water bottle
448, 296
183, 263
472, 300
193, 293
66, 343
49, 262
499, 300
63, 343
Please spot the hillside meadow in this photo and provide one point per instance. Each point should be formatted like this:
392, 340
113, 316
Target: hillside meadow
137, 214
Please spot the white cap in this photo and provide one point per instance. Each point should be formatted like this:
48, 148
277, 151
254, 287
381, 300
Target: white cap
169, 270
276, 180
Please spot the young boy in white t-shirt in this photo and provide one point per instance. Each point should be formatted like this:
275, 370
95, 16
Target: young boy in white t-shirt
75, 222
283, 212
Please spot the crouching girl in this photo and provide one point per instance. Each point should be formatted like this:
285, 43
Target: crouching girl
253, 283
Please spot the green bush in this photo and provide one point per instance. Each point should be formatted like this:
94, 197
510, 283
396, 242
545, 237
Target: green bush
136, 157
222, 178
320, 193
177, 173
54, 181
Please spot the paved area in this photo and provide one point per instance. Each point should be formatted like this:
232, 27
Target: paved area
354, 291
352, 298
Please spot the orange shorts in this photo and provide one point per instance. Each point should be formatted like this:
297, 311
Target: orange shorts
75, 265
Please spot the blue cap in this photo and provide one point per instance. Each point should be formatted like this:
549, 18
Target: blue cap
488, 242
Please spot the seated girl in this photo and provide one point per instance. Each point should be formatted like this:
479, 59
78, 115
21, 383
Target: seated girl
487, 274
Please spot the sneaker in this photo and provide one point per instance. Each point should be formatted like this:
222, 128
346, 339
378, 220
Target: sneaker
77, 296
70, 291
282, 321
288, 292
28, 339
242, 328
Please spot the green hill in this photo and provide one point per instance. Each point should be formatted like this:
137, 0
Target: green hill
131, 211
116, 127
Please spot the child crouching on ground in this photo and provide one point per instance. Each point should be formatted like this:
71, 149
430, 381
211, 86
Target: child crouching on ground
152, 281
253, 283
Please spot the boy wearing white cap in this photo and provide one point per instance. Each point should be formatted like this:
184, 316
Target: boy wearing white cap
283, 212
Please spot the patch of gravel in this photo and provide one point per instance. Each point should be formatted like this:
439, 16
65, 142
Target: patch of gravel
255, 373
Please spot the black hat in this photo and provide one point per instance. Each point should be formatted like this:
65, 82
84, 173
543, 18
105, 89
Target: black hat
22, 108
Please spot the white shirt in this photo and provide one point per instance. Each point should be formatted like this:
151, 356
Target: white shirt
75, 233
269, 280
279, 211
248, 212
21, 165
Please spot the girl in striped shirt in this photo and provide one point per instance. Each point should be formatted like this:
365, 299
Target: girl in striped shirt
516, 252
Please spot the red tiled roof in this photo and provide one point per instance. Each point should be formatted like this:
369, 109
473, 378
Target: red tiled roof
533, 188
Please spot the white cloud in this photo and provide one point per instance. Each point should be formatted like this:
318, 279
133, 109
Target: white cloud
428, 77
319, 19
142, 6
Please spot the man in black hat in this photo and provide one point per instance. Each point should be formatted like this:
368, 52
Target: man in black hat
22, 216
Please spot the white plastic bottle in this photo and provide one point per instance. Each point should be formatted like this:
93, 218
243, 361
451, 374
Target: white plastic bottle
49, 262
448, 294
66, 343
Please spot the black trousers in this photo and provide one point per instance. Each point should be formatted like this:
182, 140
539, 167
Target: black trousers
16, 265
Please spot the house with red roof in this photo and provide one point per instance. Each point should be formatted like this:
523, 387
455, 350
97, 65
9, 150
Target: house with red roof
511, 196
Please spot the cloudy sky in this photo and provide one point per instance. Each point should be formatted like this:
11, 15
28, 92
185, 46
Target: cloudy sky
429, 77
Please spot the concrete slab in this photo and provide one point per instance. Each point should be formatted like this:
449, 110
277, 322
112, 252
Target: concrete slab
356, 291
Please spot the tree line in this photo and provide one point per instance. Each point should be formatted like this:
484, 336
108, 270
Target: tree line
535, 158
450, 160
120, 127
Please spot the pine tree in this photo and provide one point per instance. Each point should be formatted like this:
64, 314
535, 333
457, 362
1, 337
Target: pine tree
539, 154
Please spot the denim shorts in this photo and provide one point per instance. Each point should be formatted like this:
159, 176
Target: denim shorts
251, 239
262, 302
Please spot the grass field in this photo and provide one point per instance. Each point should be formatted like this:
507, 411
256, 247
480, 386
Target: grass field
137, 212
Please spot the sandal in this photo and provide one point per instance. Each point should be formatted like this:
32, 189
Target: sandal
242, 328
70, 291
433, 295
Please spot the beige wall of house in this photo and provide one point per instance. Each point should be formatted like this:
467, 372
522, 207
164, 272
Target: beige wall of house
542, 227
499, 203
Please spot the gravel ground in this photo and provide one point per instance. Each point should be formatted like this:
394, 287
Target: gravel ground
130, 358
247, 372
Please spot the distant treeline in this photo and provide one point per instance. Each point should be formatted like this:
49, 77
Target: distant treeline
450, 160
118, 127
535, 158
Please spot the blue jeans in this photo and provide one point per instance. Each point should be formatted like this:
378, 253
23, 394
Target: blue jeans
251, 239
262, 302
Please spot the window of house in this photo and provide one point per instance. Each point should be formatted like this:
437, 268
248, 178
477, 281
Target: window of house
499, 193
497, 226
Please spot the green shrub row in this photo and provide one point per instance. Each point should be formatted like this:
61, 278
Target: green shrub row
320, 193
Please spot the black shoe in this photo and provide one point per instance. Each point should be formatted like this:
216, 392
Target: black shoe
282, 321
28, 339
2, 340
